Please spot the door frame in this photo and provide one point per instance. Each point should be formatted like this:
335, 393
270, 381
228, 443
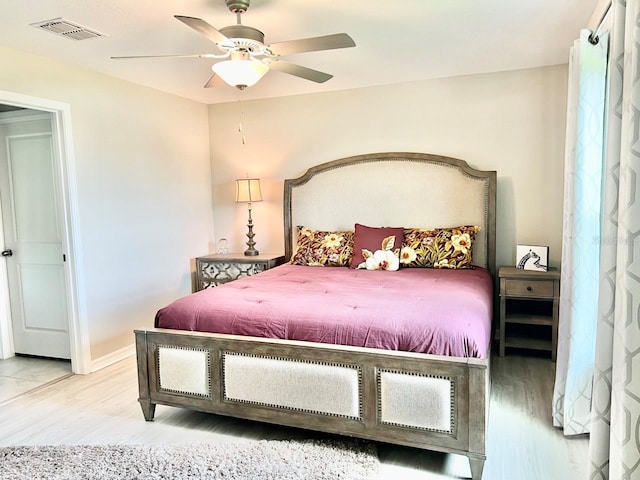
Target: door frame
67, 190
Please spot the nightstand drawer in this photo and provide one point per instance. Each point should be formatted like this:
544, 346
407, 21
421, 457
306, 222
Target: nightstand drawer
529, 288
213, 270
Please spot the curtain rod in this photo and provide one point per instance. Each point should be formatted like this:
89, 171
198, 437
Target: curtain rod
594, 37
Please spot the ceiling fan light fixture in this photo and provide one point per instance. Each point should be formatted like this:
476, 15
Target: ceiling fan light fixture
240, 73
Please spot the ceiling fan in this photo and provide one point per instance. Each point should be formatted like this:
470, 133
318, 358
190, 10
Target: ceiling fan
248, 58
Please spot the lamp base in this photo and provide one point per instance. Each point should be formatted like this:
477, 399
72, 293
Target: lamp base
251, 251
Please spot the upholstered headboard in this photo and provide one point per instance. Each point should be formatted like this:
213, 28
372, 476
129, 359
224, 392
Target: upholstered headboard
411, 190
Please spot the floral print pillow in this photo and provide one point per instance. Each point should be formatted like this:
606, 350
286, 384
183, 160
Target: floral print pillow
323, 249
376, 248
384, 259
438, 247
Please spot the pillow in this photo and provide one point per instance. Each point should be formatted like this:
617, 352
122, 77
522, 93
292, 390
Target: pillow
376, 248
438, 247
324, 249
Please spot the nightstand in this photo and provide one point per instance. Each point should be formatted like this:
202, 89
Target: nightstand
529, 302
216, 269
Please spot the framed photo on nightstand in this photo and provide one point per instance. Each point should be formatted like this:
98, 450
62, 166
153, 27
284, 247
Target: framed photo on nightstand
532, 257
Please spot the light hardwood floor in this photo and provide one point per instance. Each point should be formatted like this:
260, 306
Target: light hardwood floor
101, 408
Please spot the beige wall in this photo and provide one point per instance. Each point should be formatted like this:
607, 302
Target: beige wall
511, 122
144, 190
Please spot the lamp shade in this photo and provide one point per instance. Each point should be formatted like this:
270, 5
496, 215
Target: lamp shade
248, 190
240, 73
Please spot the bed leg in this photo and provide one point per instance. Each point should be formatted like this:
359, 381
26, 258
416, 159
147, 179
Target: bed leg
477, 465
142, 356
148, 409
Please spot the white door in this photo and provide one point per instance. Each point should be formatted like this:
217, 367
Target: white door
32, 233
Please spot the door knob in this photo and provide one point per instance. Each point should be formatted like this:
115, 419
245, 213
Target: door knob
7, 253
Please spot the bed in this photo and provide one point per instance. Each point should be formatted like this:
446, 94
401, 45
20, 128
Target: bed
371, 388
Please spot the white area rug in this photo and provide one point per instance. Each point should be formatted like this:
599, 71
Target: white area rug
254, 460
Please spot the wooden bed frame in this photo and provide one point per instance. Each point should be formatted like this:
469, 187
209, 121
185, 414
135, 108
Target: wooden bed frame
425, 401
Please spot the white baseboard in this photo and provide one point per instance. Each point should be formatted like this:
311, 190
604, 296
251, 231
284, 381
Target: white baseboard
113, 357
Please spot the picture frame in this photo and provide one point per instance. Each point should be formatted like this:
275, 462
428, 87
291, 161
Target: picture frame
532, 257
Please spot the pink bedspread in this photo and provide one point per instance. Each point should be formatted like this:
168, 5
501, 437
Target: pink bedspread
444, 312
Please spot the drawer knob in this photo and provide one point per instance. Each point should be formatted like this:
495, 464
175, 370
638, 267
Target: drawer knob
529, 288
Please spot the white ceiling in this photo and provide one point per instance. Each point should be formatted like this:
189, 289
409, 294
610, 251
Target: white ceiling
396, 41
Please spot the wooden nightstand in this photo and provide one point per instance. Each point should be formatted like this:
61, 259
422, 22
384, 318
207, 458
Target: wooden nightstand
214, 270
529, 303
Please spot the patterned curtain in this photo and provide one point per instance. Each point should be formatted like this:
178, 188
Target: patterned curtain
581, 228
615, 420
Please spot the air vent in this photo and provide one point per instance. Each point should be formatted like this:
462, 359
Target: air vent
67, 29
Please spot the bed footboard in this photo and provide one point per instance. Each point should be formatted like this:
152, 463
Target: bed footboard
424, 401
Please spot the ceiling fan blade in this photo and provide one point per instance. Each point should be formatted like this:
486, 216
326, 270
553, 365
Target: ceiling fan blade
205, 29
195, 55
313, 44
299, 71
214, 81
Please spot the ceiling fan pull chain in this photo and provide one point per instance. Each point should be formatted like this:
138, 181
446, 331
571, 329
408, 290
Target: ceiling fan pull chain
240, 123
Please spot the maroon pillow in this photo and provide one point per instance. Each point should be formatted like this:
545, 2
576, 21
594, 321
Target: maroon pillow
381, 245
